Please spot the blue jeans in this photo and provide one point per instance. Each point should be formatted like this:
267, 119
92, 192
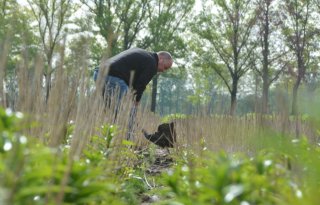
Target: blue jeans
113, 89
116, 87
113, 85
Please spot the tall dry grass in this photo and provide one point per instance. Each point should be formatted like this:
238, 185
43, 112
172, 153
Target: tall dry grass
4, 50
75, 98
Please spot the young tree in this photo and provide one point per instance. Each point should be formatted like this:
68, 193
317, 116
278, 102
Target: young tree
227, 28
271, 47
7, 14
204, 82
51, 17
166, 24
119, 22
17, 42
299, 27
146, 23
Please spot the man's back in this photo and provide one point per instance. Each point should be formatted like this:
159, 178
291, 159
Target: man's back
135, 60
135, 66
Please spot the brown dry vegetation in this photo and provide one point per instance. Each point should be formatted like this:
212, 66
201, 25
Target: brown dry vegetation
73, 98
76, 101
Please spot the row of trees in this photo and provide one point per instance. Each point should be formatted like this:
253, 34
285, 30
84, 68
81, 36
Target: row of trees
266, 37
218, 49
145, 23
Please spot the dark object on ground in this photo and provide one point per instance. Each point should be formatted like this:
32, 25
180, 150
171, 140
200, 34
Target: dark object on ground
164, 137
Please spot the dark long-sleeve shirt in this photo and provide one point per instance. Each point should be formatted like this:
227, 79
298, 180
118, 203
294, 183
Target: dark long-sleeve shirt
136, 67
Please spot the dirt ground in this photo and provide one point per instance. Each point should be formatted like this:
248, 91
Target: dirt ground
162, 163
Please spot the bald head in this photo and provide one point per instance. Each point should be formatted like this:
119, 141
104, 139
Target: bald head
165, 54
165, 61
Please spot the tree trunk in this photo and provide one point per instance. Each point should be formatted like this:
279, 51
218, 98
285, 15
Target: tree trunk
233, 93
265, 69
265, 95
295, 88
3, 59
233, 104
48, 85
301, 74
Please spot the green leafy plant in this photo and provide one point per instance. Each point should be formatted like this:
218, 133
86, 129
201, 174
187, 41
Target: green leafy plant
171, 117
32, 173
236, 179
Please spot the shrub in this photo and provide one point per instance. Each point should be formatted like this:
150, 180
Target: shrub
237, 179
31, 173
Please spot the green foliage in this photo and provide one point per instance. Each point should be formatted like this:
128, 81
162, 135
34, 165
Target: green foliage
133, 187
108, 131
100, 147
230, 59
165, 24
223, 179
119, 22
171, 117
172, 97
34, 174
16, 36
9, 121
283, 172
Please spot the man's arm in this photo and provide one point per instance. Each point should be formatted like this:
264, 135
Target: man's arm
142, 81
